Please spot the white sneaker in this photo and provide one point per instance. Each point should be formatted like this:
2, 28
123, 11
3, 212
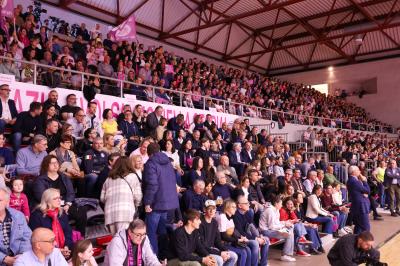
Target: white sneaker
287, 258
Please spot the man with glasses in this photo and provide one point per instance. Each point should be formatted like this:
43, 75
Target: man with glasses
244, 223
78, 123
15, 233
131, 247
30, 158
285, 181
43, 251
8, 111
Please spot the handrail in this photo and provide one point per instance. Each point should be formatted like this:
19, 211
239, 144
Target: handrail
293, 118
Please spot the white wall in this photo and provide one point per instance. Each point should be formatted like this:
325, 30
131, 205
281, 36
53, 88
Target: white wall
384, 105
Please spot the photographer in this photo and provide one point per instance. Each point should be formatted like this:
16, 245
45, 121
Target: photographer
354, 250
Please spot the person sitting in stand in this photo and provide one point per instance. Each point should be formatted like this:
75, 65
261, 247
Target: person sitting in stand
43, 250
244, 223
187, 244
67, 158
8, 110
15, 231
229, 171
28, 124
193, 198
197, 172
30, 158
68, 110
312, 229
94, 161
316, 214
222, 189
51, 133
272, 227
211, 237
6, 155
204, 151
131, 247
287, 214
78, 124
50, 214
83, 254
130, 131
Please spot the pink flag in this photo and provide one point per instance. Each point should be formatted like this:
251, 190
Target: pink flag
7, 8
125, 31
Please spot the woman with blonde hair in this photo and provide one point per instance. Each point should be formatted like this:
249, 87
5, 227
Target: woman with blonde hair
49, 214
122, 195
82, 255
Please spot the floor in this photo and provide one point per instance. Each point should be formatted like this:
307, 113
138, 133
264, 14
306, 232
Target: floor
382, 231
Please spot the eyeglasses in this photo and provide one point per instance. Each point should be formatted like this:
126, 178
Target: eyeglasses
56, 198
244, 203
51, 241
139, 235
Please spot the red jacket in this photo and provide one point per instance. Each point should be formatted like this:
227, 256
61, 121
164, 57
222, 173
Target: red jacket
285, 215
20, 203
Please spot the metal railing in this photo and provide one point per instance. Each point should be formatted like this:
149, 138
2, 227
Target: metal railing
295, 146
118, 87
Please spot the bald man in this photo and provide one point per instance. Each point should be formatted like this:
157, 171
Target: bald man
43, 252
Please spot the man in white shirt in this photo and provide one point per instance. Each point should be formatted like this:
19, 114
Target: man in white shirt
8, 111
43, 251
91, 120
142, 150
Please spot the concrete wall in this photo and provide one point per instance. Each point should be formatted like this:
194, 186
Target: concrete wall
384, 105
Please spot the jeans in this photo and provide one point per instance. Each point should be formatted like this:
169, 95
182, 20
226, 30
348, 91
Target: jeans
341, 218
255, 250
230, 262
327, 223
241, 253
299, 231
156, 225
312, 235
90, 182
288, 247
381, 192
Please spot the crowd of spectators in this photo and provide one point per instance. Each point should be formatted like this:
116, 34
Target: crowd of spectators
91, 53
209, 195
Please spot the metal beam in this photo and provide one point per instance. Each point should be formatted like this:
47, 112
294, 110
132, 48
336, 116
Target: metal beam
371, 18
67, 2
326, 38
323, 14
136, 8
317, 35
234, 18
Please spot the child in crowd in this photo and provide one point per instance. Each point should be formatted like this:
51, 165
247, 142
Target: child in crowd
18, 199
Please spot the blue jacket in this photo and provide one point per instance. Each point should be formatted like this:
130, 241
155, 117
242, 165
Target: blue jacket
359, 203
160, 183
38, 220
20, 236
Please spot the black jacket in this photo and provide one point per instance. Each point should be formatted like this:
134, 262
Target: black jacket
186, 244
11, 106
210, 237
43, 182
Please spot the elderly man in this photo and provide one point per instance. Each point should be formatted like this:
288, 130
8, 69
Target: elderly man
229, 171
360, 206
43, 251
392, 181
16, 235
153, 119
30, 158
8, 111
310, 182
235, 159
193, 198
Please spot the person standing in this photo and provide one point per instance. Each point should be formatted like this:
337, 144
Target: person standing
392, 181
159, 193
358, 192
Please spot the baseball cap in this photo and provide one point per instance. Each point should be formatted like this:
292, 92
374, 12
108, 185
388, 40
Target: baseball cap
210, 203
